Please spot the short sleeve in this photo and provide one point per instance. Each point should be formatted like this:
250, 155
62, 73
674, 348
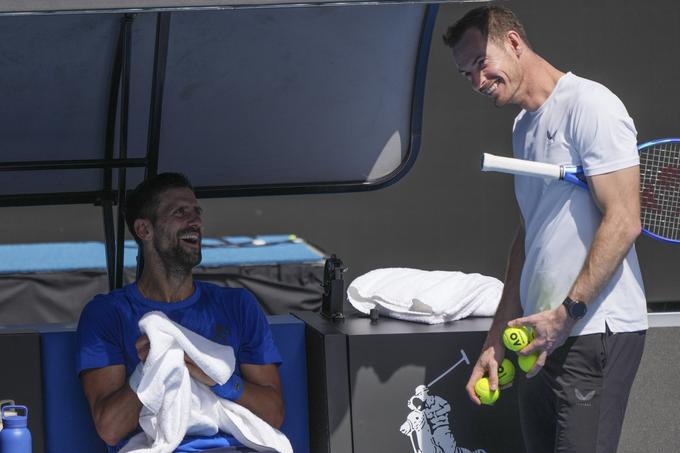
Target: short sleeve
257, 346
603, 132
98, 336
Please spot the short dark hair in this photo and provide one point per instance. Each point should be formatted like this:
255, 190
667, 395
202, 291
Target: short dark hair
494, 22
142, 202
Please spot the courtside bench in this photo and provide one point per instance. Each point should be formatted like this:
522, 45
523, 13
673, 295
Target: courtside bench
59, 416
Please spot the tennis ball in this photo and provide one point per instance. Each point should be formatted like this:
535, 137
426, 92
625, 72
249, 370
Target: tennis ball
532, 333
526, 362
515, 338
506, 372
486, 396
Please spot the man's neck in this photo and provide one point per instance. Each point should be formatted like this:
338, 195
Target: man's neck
156, 284
539, 83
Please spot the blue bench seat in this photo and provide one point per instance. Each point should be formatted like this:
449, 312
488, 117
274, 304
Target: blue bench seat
68, 424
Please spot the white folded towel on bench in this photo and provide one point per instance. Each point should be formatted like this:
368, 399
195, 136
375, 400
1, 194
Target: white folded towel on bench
176, 405
429, 297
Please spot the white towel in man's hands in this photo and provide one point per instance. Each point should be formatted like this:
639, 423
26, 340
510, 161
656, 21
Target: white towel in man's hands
176, 404
429, 297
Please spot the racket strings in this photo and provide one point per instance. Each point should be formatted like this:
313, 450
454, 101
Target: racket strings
660, 190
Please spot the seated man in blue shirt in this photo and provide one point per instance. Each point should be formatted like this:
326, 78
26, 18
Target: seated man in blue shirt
164, 217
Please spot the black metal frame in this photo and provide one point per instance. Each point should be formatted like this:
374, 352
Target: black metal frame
108, 163
122, 143
158, 83
107, 197
107, 200
117, 121
93, 7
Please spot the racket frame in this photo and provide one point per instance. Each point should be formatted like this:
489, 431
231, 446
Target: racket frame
570, 173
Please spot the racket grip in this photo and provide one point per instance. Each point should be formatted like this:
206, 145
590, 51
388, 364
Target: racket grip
501, 164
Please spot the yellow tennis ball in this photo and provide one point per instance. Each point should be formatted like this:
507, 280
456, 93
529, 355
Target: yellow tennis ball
506, 372
515, 338
486, 396
526, 362
532, 333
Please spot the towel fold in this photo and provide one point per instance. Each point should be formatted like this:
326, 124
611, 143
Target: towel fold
176, 405
429, 297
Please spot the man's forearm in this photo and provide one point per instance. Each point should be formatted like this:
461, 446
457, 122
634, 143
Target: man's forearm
115, 407
117, 415
264, 401
510, 306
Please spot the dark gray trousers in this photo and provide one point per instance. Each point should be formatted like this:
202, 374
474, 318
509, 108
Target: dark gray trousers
577, 403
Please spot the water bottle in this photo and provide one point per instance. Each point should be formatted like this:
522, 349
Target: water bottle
15, 436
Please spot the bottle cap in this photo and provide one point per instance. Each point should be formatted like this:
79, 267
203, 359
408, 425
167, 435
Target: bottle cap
12, 419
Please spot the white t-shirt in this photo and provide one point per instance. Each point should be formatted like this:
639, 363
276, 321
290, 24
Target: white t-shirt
581, 123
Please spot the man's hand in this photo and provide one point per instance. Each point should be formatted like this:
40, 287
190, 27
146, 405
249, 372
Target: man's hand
487, 365
197, 373
142, 345
552, 328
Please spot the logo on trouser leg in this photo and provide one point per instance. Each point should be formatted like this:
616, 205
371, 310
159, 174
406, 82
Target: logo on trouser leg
582, 399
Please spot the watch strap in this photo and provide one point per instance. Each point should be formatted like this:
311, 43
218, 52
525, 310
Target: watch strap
576, 309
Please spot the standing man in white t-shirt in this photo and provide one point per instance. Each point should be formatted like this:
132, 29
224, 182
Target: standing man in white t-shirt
573, 273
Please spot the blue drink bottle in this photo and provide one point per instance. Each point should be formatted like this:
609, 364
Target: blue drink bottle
15, 436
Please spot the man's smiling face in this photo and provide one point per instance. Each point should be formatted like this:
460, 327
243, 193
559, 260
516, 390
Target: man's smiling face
177, 229
491, 67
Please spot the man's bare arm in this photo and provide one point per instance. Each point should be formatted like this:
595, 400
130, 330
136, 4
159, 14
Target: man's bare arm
261, 389
263, 393
114, 406
617, 196
508, 308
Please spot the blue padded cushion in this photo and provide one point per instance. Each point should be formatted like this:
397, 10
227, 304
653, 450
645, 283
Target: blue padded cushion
68, 423
69, 426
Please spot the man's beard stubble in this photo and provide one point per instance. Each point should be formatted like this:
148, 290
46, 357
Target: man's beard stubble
177, 260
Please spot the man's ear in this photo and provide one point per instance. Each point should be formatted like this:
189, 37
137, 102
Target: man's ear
515, 41
143, 229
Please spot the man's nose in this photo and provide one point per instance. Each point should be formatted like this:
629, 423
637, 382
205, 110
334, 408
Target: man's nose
196, 219
477, 79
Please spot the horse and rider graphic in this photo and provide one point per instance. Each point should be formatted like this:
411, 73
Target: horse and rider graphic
428, 425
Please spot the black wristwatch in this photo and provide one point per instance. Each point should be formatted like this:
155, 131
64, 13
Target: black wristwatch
575, 308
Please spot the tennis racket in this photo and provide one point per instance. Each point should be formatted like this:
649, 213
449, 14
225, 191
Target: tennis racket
659, 183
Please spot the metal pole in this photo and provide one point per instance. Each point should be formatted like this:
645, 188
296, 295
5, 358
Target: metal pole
122, 152
107, 198
157, 85
464, 358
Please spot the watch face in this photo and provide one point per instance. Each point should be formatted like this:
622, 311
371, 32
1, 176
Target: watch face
577, 310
